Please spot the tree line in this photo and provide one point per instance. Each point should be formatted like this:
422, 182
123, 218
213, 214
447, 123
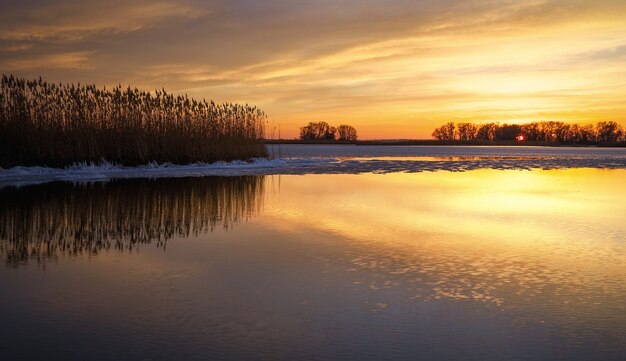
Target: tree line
324, 131
549, 132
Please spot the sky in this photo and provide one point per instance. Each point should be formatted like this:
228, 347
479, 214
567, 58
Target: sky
392, 69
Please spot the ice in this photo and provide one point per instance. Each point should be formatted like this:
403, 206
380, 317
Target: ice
20, 176
331, 159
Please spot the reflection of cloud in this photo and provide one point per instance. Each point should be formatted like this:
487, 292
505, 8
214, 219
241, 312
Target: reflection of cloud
538, 240
405, 64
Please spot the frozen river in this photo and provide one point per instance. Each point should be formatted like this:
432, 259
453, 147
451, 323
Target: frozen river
341, 159
522, 256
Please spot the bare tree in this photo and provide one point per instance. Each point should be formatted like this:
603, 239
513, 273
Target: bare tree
444, 132
487, 131
549, 131
507, 131
609, 132
317, 130
346, 132
322, 130
467, 131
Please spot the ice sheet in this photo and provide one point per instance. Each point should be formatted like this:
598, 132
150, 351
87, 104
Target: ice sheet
320, 159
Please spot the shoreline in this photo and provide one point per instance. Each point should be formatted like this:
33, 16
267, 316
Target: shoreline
432, 142
333, 160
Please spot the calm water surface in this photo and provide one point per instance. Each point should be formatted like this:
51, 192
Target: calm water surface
477, 265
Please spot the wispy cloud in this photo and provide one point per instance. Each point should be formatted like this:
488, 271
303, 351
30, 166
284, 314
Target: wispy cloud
393, 68
69, 61
74, 21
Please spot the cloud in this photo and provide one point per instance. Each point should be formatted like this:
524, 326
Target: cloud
70, 61
375, 63
71, 21
617, 52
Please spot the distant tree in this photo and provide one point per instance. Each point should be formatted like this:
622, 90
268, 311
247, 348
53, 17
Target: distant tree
508, 132
444, 132
322, 130
317, 130
346, 132
609, 132
581, 134
487, 131
587, 134
467, 131
549, 131
574, 135
554, 132
532, 131
308, 132
330, 133
562, 132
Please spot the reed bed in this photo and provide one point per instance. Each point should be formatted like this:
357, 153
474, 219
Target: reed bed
47, 221
50, 124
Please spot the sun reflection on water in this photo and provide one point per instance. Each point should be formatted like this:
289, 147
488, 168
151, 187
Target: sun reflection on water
548, 241
499, 261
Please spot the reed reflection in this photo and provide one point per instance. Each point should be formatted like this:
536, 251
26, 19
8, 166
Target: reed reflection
42, 222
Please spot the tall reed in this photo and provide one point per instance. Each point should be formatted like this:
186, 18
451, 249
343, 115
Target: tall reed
50, 124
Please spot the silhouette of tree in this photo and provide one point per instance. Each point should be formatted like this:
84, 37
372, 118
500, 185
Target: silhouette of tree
346, 132
467, 131
609, 131
549, 131
508, 132
445, 132
317, 130
587, 134
487, 131
322, 130
581, 134
331, 133
532, 131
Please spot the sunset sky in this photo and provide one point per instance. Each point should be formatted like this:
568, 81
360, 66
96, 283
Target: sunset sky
393, 69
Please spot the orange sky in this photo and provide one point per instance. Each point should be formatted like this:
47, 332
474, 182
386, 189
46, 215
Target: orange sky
393, 69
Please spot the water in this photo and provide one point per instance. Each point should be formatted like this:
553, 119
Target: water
331, 150
478, 265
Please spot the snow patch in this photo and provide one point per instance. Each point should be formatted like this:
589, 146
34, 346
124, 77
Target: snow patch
84, 172
339, 160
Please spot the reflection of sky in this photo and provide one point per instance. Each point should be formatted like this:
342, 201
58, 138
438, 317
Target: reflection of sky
543, 240
394, 69
507, 264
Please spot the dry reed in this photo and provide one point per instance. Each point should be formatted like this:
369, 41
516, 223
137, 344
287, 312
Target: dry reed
60, 124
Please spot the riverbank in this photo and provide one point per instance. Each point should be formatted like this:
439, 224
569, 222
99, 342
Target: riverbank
304, 159
434, 142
